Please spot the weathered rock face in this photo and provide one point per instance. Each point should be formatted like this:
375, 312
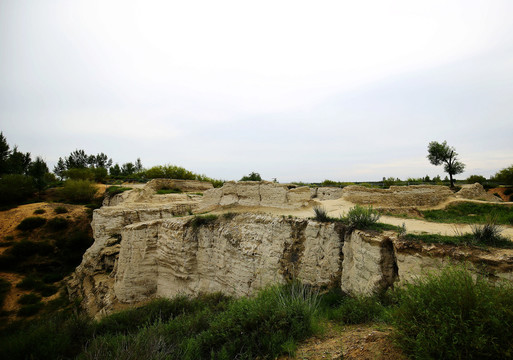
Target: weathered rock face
236, 254
135, 258
396, 196
256, 193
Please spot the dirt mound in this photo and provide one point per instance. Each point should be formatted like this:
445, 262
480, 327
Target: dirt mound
476, 192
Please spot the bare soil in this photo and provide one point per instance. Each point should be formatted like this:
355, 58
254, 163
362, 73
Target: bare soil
362, 342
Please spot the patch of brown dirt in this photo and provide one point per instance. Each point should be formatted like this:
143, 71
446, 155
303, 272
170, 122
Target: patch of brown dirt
501, 191
362, 342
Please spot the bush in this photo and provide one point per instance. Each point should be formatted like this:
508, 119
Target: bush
57, 223
79, 191
505, 176
30, 310
60, 210
358, 310
452, 316
508, 191
362, 217
321, 214
31, 223
24, 249
488, 234
39, 211
29, 299
198, 221
15, 188
472, 179
5, 286
252, 177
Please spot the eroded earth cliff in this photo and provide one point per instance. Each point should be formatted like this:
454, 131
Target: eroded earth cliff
149, 246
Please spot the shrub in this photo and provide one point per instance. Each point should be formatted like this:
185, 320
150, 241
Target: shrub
358, 310
508, 191
321, 214
24, 249
29, 299
39, 211
488, 234
79, 174
29, 310
57, 223
362, 217
5, 286
472, 179
198, 221
452, 316
31, 223
505, 176
252, 177
79, 191
60, 210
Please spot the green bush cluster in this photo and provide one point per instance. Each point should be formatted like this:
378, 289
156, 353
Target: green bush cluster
321, 214
454, 316
205, 327
201, 220
79, 191
362, 217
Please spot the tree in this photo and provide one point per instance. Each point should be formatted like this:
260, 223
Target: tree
60, 168
441, 153
78, 159
38, 170
4, 154
505, 176
252, 177
127, 169
18, 162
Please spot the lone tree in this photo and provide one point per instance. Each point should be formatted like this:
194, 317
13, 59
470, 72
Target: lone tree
444, 154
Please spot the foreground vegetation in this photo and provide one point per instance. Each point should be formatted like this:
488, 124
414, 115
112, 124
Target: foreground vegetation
471, 213
449, 315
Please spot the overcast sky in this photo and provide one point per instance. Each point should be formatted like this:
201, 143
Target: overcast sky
294, 90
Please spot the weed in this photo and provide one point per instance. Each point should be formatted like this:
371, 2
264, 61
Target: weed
31, 223
488, 234
229, 215
202, 220
321, 214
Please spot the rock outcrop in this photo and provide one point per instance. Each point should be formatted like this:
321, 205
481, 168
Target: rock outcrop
476, 192
398, 196
256, 193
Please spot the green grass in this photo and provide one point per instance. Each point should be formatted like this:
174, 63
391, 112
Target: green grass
202, 220
460, 240
471, 213
451, 315
204, 327
114, 190
164, 191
